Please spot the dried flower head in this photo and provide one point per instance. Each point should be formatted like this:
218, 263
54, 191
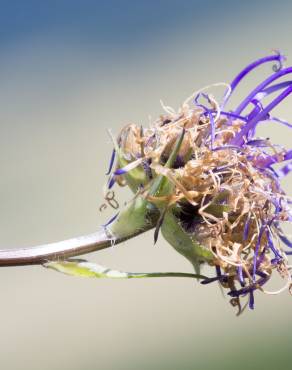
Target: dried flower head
213, 184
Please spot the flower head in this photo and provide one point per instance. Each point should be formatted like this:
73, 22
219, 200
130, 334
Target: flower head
213, 183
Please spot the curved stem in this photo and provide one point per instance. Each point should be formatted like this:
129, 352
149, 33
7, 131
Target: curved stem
61, 250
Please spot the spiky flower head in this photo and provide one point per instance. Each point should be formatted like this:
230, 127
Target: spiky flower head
212, 183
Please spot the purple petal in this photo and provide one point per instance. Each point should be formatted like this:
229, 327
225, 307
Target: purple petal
261, 87
282, 236
258, 107
238, 139
224, 147
271, 89
263, 275
205, 96
130, 166
246, 228
288, 155
256, 252
233, 115
259, 143
111, 182
208, 112
283, 122
278, 57
218, 271
212, 123
284, 171
271, 159
272, 246
247, 289
120, 171
251, 300
240, 275
111, 162
215, 278
111, 220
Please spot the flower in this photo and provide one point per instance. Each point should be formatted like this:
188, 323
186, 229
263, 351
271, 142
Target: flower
213, 184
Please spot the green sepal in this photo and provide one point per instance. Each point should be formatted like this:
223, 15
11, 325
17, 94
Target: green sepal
135, 177
136, 216
217, 210
161, 185
182, 241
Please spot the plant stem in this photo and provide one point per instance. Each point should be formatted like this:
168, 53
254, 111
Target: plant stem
61, 250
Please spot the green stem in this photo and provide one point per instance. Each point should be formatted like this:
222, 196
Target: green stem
60, 250
165, 274
132, 221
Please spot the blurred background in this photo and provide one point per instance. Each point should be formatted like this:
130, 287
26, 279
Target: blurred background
69, 70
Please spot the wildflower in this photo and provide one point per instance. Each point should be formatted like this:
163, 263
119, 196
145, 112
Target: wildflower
212, 183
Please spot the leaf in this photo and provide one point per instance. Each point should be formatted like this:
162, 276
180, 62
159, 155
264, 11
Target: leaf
83, 268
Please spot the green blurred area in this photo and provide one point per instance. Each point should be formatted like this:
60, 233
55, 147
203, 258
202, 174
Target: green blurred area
57, 99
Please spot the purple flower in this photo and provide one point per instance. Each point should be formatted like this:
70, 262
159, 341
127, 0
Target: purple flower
214, 182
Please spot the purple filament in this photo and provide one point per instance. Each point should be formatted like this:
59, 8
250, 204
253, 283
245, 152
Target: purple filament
246, 228
256, 252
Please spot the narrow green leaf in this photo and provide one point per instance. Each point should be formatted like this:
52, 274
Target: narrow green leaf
83, 268
161, 185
